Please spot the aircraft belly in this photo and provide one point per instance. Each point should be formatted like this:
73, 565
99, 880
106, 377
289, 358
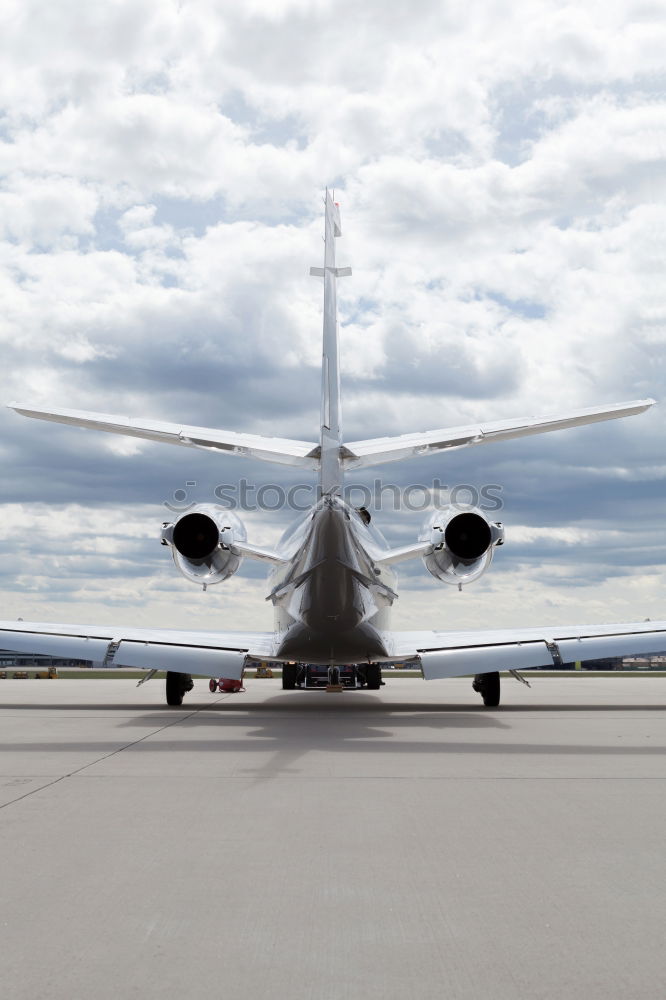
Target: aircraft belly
359, 645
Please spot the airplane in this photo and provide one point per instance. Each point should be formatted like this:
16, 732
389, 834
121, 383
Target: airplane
332, 581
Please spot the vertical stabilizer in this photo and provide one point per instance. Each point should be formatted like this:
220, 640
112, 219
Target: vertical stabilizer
330, 476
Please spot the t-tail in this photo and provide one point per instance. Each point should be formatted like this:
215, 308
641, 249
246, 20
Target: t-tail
330, 435
329, 456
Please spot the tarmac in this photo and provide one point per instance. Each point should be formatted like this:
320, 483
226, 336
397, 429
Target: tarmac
406, 843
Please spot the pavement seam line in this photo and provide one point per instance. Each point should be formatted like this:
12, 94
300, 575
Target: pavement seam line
106, 756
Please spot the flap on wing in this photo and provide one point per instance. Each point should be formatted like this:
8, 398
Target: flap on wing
602, 646
484, 659
181, 659
211, 654
453, 654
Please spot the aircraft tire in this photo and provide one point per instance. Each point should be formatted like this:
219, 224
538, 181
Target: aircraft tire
176, 687
373, 676
488, 686
289, 671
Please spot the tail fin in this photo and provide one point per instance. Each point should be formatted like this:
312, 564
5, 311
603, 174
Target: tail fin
331, 471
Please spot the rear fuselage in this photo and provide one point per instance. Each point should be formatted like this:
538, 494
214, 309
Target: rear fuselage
332, 599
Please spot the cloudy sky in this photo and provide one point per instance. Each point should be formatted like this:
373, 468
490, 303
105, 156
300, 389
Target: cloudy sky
500, 170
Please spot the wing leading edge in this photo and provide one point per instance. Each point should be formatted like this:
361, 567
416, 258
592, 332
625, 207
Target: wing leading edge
456, 654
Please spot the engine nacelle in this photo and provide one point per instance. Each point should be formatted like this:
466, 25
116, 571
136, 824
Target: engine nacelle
202, 543
463, 542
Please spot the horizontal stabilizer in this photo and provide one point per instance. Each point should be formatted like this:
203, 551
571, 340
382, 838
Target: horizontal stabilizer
376, 451
269, 449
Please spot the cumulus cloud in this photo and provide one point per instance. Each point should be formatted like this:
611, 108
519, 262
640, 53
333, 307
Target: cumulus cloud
502, 183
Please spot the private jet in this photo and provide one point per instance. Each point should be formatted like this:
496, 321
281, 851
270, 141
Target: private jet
332, 579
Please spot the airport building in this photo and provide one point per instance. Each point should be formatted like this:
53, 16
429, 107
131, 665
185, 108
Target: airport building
36, 661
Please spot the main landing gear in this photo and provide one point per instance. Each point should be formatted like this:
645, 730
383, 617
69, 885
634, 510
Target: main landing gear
373, 676
488, 686
289, 676
317, 675
177, 686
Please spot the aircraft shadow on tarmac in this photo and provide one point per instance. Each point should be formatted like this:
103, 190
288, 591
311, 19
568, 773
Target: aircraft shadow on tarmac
289, 728
268, 739
294, 704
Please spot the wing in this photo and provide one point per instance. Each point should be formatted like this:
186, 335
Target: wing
210, 654
454, 654
375, 451
284, 451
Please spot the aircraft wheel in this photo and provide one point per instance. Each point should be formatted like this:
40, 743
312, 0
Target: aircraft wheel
289, 672
212, 685
174, 688
488, 686
373, 676
177, 686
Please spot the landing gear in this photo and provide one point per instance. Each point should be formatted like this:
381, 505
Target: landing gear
289, 675
373, 676
488, 686
177, 686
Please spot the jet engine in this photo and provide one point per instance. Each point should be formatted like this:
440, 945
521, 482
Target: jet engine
203, 543
462, 542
